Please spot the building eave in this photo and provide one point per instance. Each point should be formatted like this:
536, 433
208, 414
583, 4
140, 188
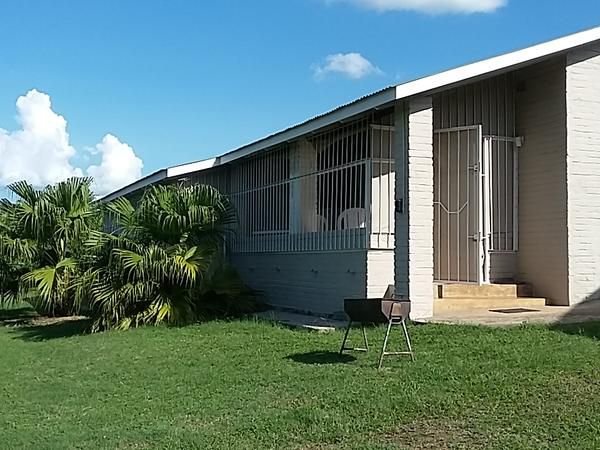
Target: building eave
345, 112
501, 63
153, 178
184, 169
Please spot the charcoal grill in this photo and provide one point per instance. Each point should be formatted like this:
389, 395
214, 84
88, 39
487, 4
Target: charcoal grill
367, 311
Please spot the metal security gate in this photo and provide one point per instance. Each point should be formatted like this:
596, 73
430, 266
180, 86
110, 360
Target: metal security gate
475, 202
501, 192
457, 200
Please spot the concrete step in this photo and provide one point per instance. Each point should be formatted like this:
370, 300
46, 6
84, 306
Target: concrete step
482, 291
443, 305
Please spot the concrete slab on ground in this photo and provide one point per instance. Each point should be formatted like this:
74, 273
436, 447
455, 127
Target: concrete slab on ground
302, 321
585, 312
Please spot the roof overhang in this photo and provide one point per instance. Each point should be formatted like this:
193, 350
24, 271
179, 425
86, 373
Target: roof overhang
184, 169
497, 64
373, 101
148, 180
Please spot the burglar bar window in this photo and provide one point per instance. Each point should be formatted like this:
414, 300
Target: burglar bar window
341, 166
316, 193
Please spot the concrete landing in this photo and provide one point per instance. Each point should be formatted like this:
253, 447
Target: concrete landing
443, 306
585, 312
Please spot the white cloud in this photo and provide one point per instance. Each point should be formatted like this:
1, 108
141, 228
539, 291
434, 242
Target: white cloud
351, 65
429, 6
119, 166
40, 152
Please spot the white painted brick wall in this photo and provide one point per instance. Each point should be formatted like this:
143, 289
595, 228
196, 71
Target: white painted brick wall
312, 282
541, 120
380, 272
583, 173
414, 228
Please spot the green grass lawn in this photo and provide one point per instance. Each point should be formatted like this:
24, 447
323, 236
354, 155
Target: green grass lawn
250, 385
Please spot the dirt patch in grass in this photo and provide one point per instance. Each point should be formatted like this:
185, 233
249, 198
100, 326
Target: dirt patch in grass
25, 323
436, 434
25, 316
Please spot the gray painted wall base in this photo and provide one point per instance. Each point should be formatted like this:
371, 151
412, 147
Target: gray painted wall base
316, 283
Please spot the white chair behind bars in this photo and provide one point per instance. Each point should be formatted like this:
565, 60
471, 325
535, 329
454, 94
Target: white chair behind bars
352, 218
321, 224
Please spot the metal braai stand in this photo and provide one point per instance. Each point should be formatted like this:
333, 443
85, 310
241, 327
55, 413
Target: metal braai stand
367, 311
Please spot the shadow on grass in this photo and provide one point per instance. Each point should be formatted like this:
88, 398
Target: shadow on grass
45, 332
17, 315
321, 358
582, 319
586, 329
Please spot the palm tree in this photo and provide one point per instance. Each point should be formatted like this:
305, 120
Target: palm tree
16, 255
44, 231
150, 268
160, 263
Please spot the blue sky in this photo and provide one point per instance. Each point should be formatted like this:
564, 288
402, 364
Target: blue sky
177, 81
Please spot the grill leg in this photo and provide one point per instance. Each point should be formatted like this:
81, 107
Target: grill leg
385, 342
343, 347
407, 337
364, 331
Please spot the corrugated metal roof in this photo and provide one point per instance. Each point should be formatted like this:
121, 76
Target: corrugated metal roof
318, 116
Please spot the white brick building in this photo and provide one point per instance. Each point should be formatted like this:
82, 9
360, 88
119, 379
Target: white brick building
488, 173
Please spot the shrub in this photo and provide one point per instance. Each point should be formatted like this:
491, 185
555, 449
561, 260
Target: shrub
42, 238
161, 262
